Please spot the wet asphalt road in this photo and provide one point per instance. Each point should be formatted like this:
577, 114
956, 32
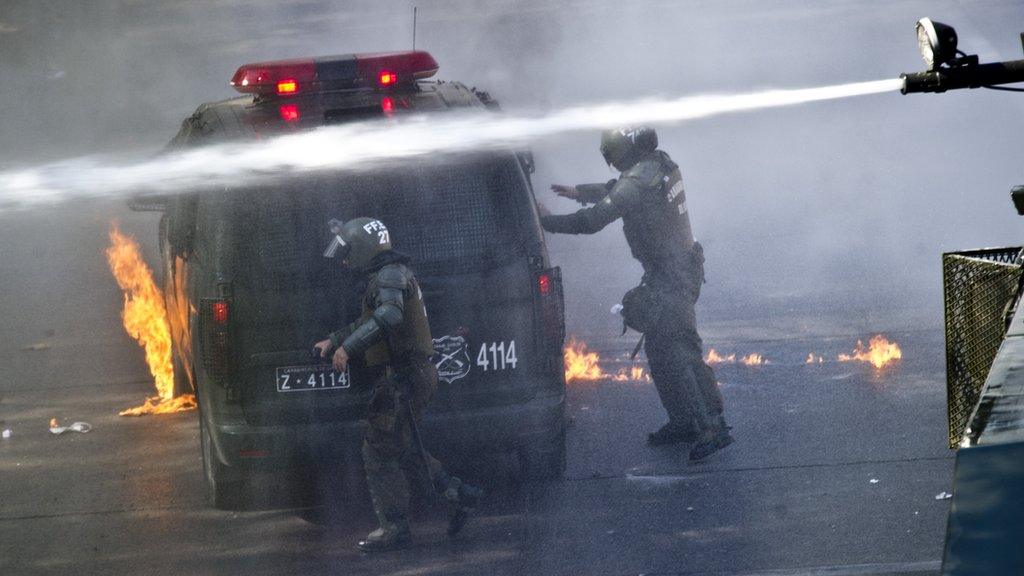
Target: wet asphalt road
835, 468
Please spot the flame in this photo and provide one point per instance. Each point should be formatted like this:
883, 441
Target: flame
145, 319
581, 364
880, 351
716, 358
156, 405
634, 374
754, 359
813, 358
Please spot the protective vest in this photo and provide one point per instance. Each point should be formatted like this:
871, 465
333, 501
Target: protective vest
655, 218
412, 336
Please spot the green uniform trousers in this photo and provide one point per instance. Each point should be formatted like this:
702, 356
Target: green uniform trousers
390, 454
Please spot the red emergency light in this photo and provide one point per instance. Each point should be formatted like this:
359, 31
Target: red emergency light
291, 77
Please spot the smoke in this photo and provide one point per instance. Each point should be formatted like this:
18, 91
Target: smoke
843, 206
367, 144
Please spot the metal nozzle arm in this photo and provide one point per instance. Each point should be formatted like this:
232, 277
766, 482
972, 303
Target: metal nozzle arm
977, 76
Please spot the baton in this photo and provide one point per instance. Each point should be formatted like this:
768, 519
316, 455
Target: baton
419, 442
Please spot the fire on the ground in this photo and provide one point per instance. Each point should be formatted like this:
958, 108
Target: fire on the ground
583, 364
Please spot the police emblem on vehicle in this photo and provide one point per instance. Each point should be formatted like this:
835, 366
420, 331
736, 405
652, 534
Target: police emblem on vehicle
451, 357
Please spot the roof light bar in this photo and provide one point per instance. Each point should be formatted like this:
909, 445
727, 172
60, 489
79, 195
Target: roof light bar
291, 77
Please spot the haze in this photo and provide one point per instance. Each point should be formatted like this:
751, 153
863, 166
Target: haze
827, 216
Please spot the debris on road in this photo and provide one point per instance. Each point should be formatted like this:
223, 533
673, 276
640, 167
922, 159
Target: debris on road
38, 346
6, 434
56, 428
873, 480
943, 496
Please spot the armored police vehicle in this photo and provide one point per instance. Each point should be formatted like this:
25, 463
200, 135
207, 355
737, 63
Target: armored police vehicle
249, 291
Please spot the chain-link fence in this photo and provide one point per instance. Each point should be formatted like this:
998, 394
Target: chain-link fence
978, 286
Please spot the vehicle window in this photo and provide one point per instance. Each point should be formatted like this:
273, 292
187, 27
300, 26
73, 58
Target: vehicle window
446, 217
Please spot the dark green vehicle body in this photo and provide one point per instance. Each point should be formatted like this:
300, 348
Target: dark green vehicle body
471, 227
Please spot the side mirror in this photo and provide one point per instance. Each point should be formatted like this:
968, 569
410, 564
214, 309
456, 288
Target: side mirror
181, 224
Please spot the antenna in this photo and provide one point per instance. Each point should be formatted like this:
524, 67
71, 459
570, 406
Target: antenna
414, 28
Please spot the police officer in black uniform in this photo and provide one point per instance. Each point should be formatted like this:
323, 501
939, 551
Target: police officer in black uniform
649, 198
393, 333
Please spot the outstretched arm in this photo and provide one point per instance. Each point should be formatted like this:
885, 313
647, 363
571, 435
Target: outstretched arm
623, 197
583, 221
594, 193
584, 193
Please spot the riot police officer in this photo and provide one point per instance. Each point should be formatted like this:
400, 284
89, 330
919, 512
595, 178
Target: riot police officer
393, 333
650, 199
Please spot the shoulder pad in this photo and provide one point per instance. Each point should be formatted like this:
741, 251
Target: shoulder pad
626, 194
647, 172
667, 161
395, 276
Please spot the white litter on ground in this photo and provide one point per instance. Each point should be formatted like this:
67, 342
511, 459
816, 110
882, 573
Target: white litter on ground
82, 427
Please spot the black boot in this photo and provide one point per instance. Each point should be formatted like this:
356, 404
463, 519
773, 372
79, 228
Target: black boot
384, 539
711, 441
671, 434
462, 498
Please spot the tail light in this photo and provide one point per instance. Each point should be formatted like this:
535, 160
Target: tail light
214, 321
550, 310
289, 112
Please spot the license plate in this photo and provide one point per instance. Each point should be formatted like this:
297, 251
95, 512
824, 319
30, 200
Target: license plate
301, 378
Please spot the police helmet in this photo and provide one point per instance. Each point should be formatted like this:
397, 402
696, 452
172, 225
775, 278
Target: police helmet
358, 241
623, 147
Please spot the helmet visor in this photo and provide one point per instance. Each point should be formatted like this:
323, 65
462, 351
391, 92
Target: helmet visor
337, 248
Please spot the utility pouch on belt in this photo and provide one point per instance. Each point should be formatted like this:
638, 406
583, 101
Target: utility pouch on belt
640, 308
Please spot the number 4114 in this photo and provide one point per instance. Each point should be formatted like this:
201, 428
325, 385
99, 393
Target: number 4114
497, 356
